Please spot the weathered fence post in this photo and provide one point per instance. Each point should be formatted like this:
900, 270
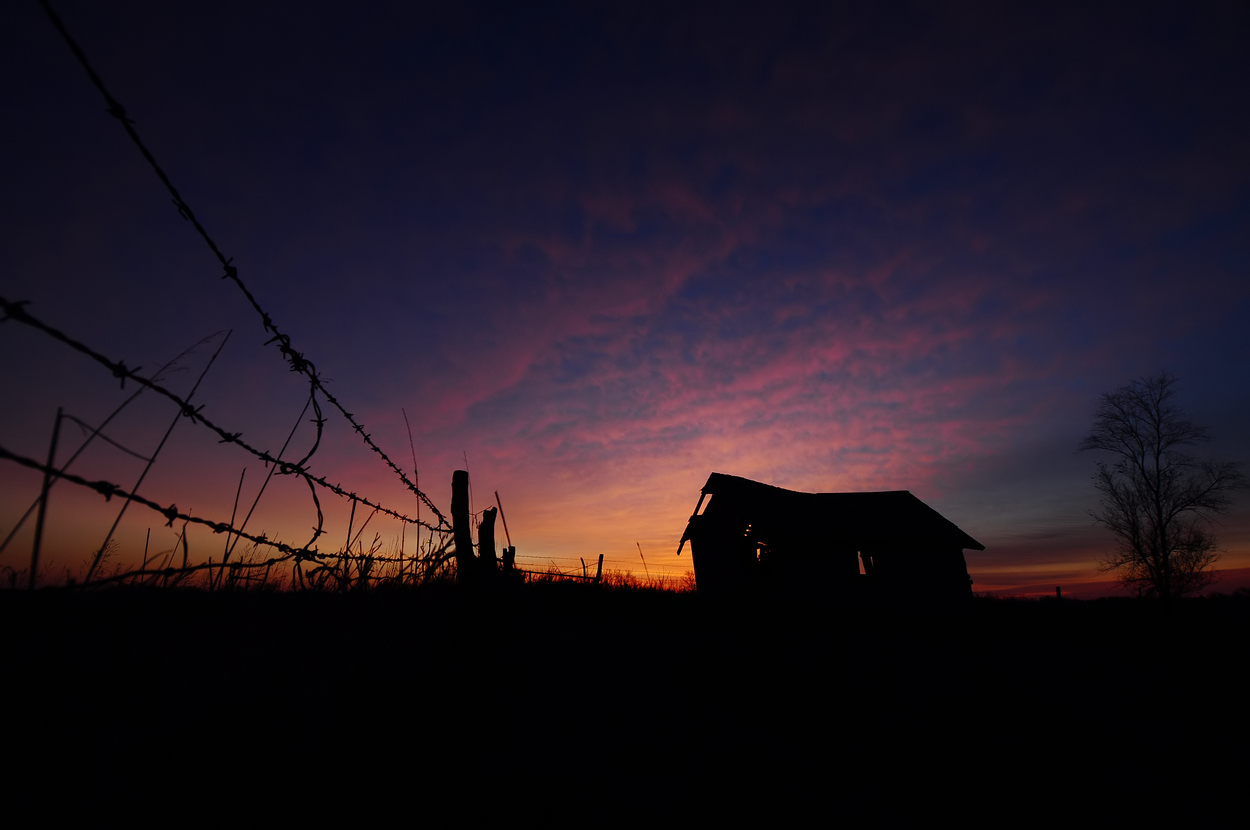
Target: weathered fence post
460, 532
599, 573
486, 541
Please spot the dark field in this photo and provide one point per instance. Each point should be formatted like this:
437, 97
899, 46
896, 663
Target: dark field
1040, 707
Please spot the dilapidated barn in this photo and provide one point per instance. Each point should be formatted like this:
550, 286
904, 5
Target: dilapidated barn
748, 535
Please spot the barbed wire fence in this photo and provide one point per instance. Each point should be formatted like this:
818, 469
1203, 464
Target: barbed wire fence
305, 566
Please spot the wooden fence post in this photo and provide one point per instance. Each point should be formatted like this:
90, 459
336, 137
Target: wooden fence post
599, 573
460, 533
486, 541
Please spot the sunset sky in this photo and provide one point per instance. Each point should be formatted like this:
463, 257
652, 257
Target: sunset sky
599, 251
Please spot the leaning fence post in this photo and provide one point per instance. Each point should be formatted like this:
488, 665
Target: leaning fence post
599, 573
43, 500
509, 553
460, 533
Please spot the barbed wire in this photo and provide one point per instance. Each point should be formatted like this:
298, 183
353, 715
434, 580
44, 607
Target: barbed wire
171, 514
98, 432
298, 362
16, 311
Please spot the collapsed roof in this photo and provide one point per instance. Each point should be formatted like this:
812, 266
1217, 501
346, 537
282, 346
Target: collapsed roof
890, 519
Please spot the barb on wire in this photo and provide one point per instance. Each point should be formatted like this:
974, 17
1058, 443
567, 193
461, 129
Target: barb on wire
298, 362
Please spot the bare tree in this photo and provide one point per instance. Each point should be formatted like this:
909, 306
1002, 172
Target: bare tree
1157, 500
